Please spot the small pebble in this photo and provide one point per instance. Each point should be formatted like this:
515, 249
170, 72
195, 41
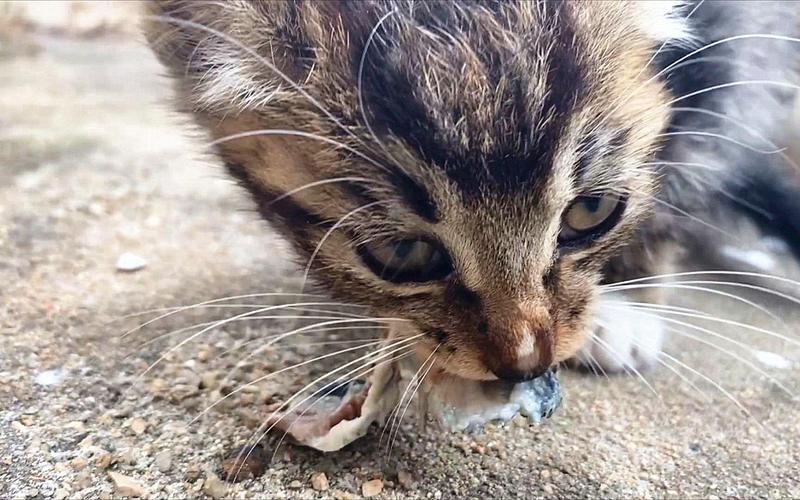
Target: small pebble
103, 460
138, 426
319, 481
192, 472
372, 488
49, 378
130, 262
405, 479
163, 461
126, 486
214, 487
244, 463
82, 480
295, 485
78, 463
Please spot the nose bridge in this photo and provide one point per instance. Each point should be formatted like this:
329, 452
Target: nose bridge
516, 267
520, 334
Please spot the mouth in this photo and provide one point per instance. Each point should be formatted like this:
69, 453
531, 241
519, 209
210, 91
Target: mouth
458, 404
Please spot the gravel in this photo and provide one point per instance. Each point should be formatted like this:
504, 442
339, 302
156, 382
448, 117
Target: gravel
93, 166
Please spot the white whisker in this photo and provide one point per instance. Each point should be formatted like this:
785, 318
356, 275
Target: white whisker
176, 310
716, 335
242, 315
297, 133
330, 232
393, 415
283, 370
602, 343
722, 137
158, 338
711, 381
393, 439
710, 273
289, 401
683, 286
324, 182
360, 89
262, 60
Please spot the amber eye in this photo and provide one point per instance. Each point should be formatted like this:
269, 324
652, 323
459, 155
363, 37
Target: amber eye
406, 260
590, 215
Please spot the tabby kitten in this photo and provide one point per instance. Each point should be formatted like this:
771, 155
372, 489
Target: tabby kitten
481, 168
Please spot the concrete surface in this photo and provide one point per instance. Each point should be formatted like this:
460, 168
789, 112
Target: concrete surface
92, 166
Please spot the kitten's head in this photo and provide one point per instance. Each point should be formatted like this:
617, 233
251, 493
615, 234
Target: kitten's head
467, 166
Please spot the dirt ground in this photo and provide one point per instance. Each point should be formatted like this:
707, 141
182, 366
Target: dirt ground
92, 165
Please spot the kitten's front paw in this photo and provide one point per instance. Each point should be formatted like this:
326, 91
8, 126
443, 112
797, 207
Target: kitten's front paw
623, 339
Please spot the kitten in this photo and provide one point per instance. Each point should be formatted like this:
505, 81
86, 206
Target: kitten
482, 168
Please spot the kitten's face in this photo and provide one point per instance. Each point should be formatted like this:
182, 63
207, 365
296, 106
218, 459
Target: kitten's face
491, 157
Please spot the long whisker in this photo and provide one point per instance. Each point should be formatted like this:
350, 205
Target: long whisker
241, 305
722, 116
252, 316
340, 382
330, 232
737, 83
360, 87
611, 351
711, 381
689, 286
393, 415
289, 401
680, 60
738, 324
298, 133
710, 273
594, 365
742, 345
262, 60
176, 310
737, 357
323, 182
419, 383
619, 102
682, 163
261, 348
242, 315
769, 291
276, 373
723, 138
683, 377
158, 338
321, 330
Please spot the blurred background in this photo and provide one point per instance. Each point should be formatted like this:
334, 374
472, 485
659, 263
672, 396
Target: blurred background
109, 207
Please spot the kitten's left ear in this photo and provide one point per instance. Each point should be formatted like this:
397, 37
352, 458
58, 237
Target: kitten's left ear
666, 21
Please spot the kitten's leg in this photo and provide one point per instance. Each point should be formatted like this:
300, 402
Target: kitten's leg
623, 338
623, 335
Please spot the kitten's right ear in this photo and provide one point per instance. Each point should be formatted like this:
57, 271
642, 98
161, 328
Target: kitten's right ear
224, 54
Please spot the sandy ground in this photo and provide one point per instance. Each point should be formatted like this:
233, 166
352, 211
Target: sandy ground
93, 166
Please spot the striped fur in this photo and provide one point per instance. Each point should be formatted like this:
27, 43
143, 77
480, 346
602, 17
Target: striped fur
473, 124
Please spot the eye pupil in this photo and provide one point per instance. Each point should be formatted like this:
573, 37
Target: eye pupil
403, 249
592, 203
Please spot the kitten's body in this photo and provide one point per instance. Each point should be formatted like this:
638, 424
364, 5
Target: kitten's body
476, 126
